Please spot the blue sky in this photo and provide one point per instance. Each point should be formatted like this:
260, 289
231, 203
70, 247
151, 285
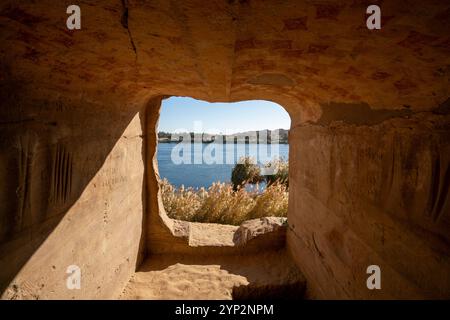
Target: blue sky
181, 114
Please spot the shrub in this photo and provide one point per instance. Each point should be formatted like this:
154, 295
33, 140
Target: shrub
281, 175
272, 202
182, 203
224, 205
220, 203
246, 171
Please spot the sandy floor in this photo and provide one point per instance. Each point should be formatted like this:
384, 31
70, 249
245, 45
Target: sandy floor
221, 277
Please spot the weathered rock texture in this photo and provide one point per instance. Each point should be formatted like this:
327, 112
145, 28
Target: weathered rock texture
255, 229
375, 194
370, 174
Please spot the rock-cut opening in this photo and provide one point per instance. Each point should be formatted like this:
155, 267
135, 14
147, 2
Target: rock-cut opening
222, 171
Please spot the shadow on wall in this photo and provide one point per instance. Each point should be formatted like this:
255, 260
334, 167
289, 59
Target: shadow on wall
51, 150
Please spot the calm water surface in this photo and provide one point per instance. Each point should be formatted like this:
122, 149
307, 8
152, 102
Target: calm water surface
203, 175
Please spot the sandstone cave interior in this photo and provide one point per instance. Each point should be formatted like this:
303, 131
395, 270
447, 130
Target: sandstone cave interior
369, 147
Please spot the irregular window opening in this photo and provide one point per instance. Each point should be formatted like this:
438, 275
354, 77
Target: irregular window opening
224, 163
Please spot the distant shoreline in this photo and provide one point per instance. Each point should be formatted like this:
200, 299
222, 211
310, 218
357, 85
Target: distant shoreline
225, 142
249, 137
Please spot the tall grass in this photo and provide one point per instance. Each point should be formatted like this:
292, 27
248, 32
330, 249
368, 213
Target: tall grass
247, 171
220, 203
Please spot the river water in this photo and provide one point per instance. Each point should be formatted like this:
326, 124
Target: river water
202, 164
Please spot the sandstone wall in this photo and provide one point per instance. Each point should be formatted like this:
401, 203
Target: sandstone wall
372, 194
71, 194
74, 105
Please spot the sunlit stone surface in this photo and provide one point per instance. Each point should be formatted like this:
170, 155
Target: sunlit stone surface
369, 146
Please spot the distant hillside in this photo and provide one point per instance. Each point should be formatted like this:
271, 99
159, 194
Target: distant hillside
246, 137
